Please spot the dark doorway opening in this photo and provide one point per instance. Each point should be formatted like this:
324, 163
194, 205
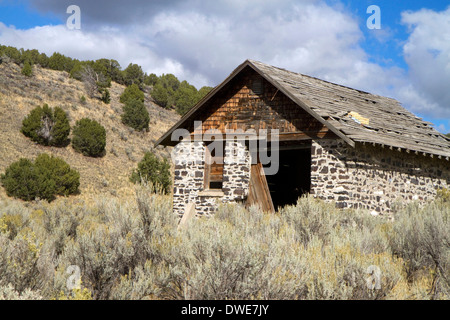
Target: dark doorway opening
293, 178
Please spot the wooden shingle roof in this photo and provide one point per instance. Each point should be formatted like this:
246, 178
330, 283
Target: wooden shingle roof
354, 115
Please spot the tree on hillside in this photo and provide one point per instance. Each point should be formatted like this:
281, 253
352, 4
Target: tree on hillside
162, 96
448, 134
169, 92
169, 81
150, 79
77, 70
111, 69
94, 81
106, 96
32, 56
185, 97
135, 115
27, 69
133, 74
43, 60
12, 53
164, 90
89, 138
47, 126
60, 62
132, 93
203, 92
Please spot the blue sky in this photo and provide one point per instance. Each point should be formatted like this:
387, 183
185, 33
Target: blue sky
391, 22
203, 41
22, 16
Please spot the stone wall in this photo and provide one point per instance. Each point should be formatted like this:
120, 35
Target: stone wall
365, 177
373, 177
236, 171
189, 177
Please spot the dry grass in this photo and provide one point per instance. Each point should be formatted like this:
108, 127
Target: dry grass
124, 148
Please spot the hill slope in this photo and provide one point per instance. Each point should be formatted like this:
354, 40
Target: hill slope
124, 146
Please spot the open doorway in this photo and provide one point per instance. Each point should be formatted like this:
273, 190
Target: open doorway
293, 178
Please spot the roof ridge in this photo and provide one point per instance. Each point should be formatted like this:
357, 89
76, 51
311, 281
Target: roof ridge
322, 80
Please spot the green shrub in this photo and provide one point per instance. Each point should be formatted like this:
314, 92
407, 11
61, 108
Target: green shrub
47, 126
60, 62
132, 93
185, 97
169, 92
135, 115
61, 128
163, 96
89, 137
45, 178
150, 79
20, 180
133, 74
153, 170
106, 97
27, 69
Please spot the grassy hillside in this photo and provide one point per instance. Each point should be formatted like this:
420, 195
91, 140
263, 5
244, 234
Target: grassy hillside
124, 147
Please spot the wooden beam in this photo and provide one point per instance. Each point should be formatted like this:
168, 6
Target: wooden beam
189, 213
283, 136
207, 173
259, 193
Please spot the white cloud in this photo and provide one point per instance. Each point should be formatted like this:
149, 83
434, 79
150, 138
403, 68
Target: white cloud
204, 44
427, 53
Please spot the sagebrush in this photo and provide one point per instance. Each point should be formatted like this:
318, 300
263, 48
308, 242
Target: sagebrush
135, 250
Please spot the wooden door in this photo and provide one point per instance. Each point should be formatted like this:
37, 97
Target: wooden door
259, 193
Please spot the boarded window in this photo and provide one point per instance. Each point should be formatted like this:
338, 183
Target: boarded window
257, 86
214, 167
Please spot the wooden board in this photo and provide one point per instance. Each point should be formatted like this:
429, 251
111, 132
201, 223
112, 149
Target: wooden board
213, 169
259, 193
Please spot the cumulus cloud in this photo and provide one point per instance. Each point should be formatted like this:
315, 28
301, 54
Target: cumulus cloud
204, 41
427, 53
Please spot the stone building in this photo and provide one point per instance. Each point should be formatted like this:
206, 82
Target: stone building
266, 136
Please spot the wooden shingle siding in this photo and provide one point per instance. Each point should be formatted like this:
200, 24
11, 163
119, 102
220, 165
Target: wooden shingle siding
239, 108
